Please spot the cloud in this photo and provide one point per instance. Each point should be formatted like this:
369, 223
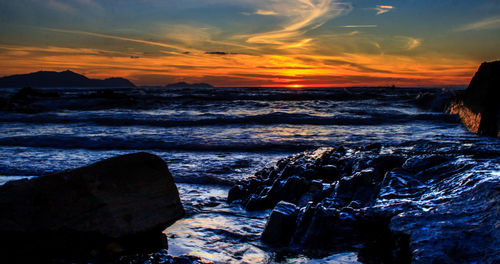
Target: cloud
488, 23
74, 6
99, 35
359, 26
63, 7
299, 16
221, 53
266, 12
381, 9
298, 44
55, 49
411, 43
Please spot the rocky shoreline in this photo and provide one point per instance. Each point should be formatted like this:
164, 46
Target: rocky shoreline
413, 203
391, 208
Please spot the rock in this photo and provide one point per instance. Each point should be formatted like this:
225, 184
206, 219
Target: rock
361, 186
322, 228
160, 257
28, 93
290, 190
280, 225
419, 204
479, 107
328, 173
437, 101
125, 202
236, 193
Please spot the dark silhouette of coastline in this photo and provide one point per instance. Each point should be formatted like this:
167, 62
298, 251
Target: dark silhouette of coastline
60, 79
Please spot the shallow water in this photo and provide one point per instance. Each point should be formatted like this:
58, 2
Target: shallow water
213, 137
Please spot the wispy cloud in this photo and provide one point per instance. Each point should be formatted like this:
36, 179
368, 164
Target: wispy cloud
488, 23
299, 16
99, 35
74, 6
411, 43
381, 9
359, 26
61, 6
298, 44
55, 49
266, 12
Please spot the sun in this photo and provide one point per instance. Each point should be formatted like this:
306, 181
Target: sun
295, 86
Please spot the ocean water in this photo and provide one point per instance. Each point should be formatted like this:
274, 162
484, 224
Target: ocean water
212, 137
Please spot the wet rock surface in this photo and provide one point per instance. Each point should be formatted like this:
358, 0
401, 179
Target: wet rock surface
281, 224
404, 204
160, 257
114, 206
479, 106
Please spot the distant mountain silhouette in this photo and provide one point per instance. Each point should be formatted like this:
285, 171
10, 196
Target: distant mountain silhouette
60, 79
187, 85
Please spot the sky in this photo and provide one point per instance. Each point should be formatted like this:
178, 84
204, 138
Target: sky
291, 43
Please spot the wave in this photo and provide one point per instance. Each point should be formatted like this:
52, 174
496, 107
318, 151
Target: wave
218, 120
115, 143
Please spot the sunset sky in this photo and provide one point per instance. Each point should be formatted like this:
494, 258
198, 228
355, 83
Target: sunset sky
253, 42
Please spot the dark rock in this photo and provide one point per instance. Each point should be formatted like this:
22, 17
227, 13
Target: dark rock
237, 192
123, 203
256, 202
290, 190
322, 228
28, 93
434, 100
280, 225
418, 205
418, 163
479, 107
159, 257
385, 163
362, 186
328, 173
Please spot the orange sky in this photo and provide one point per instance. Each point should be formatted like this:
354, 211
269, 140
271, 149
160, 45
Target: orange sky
252, 43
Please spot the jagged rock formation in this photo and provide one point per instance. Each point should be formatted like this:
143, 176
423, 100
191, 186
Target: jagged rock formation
479, 107
413, 204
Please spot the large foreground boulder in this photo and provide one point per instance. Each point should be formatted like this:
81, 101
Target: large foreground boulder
118, 204
479, 107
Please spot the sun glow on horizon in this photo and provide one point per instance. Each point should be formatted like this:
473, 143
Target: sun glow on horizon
289, 43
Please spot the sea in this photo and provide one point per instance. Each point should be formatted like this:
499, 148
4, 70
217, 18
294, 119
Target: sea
212, 137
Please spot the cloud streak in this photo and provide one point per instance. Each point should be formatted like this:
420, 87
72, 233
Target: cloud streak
382, 9
359, 26
300, 15
99, 35
488, 23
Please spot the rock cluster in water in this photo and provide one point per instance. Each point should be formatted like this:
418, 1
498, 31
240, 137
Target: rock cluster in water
479, 107
117, 205
390, 205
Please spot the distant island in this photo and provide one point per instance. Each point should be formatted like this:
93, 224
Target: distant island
188, 85
60, 79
